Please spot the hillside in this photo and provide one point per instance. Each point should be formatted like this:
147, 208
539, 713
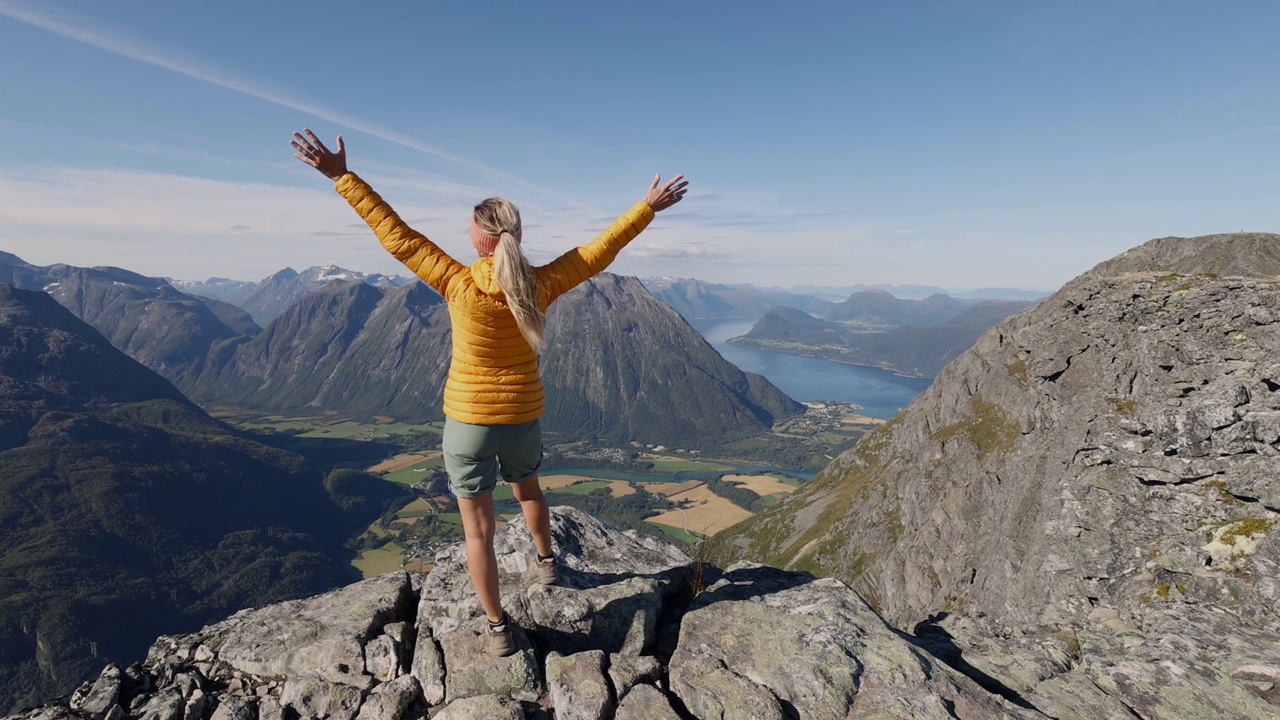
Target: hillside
622, 365
350, 348
918, 350
169, 332
125, 511
879, 310
1080, 509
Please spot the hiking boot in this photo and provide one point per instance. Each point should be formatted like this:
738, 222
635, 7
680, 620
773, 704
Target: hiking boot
501, 644
545, 572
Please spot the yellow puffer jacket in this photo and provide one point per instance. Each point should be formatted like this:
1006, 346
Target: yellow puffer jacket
493, 377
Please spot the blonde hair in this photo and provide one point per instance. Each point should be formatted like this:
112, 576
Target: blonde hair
499, 216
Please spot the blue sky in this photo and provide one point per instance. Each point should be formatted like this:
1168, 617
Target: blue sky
962, 144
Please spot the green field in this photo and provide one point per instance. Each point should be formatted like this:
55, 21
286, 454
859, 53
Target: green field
786, 479
671, 465
414, 473
581, 488
678, 534
416, 509
320, 426
372, 563
367, 431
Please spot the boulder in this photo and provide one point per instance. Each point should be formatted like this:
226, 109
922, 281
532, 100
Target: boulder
627, 671
790, 644
482, 707
391, 700
315, 696
473, 671
645, 702
325, 634
578, 687
98, 698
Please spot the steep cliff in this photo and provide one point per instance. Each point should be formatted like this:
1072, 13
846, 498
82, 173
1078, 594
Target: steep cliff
1082, 504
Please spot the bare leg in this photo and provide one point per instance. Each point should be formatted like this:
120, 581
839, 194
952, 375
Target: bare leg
478, 526
536, 514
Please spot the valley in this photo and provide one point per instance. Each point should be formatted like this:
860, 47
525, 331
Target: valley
678, 494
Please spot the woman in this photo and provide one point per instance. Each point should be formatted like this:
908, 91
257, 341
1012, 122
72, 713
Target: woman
493, 396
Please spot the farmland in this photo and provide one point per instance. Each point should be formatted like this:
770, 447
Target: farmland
682, 497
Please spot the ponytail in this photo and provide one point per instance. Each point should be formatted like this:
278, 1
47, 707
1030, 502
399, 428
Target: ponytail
496, 230
515, 277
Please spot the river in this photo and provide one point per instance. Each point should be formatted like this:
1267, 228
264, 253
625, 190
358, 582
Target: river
881, 393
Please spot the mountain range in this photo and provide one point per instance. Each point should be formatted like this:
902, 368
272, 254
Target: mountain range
1077, 516
879, 310
901, 345
913, 292
121, 498
364, 351
125, 510
275, 294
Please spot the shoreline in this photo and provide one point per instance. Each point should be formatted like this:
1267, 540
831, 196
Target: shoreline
752, 344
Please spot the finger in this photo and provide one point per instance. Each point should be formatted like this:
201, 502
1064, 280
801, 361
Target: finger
299, 139
674, 180
306, 160
656, 179
342, 148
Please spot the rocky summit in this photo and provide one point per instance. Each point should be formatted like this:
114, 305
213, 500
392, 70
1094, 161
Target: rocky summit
636, 631
1080, 512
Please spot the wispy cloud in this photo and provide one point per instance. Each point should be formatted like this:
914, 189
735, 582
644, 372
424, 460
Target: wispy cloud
189, 227
650, 251
90, 32
172, 225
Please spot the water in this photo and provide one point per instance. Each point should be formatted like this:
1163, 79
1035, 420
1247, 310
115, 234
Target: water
881, 393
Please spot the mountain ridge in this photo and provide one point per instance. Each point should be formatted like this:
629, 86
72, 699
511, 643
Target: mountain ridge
1088, 491
126, 510
368, 351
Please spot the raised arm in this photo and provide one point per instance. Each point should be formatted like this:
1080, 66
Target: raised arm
409, 246
565, 272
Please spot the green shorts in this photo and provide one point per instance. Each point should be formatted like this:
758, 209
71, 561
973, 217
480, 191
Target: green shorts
474, 454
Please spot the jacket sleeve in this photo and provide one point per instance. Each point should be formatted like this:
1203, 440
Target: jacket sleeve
565, 272
409, 246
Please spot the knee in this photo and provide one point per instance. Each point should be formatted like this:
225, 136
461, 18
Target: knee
528, 491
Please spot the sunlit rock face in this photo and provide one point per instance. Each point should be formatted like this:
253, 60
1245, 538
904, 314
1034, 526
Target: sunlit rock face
635, 630
1080, 510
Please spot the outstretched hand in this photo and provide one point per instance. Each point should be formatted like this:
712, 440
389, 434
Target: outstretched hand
311, 151
661, 198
